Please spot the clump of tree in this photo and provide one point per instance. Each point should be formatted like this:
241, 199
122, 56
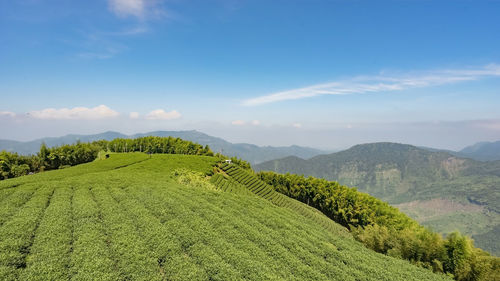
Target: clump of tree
386, 230
67, 155
168, 145
15, 165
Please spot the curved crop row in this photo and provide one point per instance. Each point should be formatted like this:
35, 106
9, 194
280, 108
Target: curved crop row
261, 189
228, 184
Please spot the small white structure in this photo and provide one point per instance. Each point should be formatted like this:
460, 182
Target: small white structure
228, 161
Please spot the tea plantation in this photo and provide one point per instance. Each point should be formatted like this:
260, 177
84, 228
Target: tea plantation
174, 217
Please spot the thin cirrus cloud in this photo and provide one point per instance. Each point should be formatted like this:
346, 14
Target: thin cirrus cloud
160, 114
380, 83
140, 9
238, 122
75, 113
94, 113
241, 122
124, 8
103, 45
7, 114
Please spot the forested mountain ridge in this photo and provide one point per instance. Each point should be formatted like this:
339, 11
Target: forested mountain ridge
481, 151
436, 188
252, 153
484, 151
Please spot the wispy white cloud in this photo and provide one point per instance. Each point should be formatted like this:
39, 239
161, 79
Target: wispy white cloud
83, 113
96, 45
101, 44
379, 83
125, 8
297, 125
160, 114
243, 122
238, 122
131, 31
141, 9
134, 115
7, 114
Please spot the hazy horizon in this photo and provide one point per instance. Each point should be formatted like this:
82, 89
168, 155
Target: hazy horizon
327, 149
324, 74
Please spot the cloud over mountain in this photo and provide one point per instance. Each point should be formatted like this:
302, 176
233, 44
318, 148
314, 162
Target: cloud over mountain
83, 113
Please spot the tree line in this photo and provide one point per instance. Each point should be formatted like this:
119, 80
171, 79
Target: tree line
15, 165
386, 230
168, 145
50, 158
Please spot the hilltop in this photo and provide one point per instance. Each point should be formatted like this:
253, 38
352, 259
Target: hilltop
438, 189
250, 152
158, 217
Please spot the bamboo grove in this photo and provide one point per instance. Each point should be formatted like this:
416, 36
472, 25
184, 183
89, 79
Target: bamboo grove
15, 165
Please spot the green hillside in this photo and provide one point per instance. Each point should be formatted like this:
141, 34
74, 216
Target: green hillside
438, 189
484, 151
168, 217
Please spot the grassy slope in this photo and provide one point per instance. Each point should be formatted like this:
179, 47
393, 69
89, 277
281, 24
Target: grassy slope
399, 173
127, 217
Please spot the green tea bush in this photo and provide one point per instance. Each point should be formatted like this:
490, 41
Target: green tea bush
128, 218
196, 179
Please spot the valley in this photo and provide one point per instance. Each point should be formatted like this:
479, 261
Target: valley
438, 189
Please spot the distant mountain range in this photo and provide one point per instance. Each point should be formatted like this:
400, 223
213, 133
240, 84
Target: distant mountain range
481, 151
437, 188
252, 153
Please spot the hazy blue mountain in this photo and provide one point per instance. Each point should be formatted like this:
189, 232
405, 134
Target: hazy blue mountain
252, 153
32, 147
483, 151
439, 189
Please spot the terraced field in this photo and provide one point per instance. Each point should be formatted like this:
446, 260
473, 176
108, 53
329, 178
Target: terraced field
129, 218
261, 189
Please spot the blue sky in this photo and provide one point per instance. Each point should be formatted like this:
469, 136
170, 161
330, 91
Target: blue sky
328, 74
